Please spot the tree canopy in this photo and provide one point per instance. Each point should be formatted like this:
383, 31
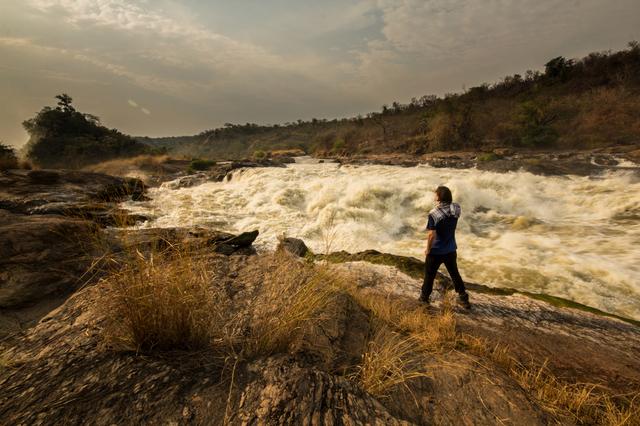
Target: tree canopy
63, 137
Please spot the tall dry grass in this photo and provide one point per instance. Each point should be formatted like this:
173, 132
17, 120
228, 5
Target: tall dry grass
167, 301
579, 403
391, 359
435, 331
293, 295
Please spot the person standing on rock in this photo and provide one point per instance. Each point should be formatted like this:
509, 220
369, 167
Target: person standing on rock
441, 246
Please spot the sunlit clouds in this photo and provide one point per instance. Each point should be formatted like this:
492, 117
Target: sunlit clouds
197, 65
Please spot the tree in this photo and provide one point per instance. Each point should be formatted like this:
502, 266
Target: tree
8, 158
64, 103
558, 68
535, 120
64, 137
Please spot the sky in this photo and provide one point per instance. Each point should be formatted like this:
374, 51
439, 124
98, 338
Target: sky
164, 67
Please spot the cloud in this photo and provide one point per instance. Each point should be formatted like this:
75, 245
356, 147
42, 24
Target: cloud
134, 104
132, 17
283, 60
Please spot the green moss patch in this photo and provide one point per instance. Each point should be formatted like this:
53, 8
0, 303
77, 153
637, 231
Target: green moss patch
415, 269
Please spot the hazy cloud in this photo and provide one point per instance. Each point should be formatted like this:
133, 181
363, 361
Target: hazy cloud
202, 64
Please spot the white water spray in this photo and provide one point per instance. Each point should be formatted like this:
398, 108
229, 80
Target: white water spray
575, 237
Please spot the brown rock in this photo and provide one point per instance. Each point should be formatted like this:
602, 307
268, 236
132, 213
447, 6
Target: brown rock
41, 256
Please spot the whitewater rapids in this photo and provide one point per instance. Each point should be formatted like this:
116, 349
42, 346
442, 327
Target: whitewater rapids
569, 236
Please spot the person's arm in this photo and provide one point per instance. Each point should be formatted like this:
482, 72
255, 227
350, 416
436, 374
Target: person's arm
431, 235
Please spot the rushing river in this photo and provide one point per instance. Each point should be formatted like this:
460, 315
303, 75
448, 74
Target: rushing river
575, 237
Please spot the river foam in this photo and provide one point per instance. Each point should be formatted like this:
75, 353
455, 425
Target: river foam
569, 236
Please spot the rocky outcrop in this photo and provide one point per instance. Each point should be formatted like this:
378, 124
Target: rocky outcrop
70, 193
216, 173
41, 256
588, 347
295, 246
503, 160
51, 242
62, 371
190, 239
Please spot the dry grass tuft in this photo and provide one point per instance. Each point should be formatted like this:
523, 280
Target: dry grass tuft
581, 403
435, 332
390, 360
166, 302
293, 295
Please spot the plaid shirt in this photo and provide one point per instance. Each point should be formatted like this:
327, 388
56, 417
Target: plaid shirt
443, 210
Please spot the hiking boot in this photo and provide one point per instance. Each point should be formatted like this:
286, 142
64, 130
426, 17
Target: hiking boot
424, 299
463, 300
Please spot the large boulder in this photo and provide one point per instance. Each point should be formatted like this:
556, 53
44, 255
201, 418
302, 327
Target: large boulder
41, 256
70, 193
295, 246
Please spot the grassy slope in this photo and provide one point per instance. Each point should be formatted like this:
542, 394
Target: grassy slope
586, 103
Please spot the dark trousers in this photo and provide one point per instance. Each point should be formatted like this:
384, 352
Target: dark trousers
431, 265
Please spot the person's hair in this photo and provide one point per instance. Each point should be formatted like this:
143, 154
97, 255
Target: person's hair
444, 194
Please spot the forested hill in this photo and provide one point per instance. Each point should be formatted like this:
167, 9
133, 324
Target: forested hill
585, 103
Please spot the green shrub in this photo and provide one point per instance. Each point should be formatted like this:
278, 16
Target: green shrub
338, 145
201, 165
535, 121
489, 156
259, 154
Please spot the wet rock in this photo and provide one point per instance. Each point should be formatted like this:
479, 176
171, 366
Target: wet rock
192, 239
295, 246
102, 214
544, 164
43, 177
188, 181
21, 191
633, 156
244, 239
503, 152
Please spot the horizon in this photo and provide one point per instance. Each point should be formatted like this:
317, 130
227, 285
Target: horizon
168, 69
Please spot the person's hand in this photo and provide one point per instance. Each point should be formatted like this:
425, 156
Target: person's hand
426, 251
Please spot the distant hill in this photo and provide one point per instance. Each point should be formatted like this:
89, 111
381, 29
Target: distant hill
585, 103
62, 137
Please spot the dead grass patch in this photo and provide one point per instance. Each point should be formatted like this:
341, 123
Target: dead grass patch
390, 360
293, 295
166, 301
132, 167
582, 403
434, 331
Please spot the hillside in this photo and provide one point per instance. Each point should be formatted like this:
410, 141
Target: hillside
571, 104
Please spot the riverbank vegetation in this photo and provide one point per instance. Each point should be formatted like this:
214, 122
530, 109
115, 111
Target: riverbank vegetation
570, 104
62, 137
178, 300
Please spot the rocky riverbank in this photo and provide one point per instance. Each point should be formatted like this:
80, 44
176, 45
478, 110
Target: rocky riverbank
57, 365
502, 160
57, 226
63, 371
